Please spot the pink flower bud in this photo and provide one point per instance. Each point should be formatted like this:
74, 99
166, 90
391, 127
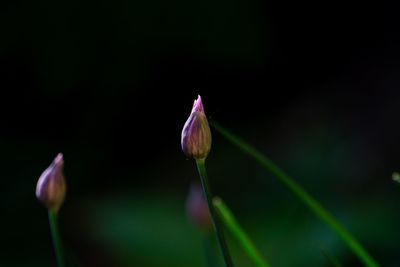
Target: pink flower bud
196, 134
197, 208
51, 187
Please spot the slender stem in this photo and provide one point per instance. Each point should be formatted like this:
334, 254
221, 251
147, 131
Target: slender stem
201, 167
230, 223
56, 238
296, 189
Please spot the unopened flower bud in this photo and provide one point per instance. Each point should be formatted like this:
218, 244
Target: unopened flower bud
197, 208
51, 187
196, 134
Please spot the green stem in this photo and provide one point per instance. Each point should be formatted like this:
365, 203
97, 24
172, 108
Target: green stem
308, 200
201, 167
231, 224
56, 238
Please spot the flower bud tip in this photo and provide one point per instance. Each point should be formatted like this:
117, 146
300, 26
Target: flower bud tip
198, 105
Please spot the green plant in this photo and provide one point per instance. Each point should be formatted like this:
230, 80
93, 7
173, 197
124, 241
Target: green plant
296, 189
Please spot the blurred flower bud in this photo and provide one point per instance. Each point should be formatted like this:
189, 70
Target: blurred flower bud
196, 134
197, 208
51, 187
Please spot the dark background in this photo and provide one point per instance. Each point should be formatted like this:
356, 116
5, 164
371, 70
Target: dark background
111, 83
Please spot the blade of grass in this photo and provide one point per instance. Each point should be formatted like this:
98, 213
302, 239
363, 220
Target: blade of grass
233, 226
307, 199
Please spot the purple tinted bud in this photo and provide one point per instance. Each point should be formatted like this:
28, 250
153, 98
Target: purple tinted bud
51, 187
196, 134
197, 208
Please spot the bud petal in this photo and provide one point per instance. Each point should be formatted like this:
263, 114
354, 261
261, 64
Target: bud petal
51, 187
197, 208
196, 134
